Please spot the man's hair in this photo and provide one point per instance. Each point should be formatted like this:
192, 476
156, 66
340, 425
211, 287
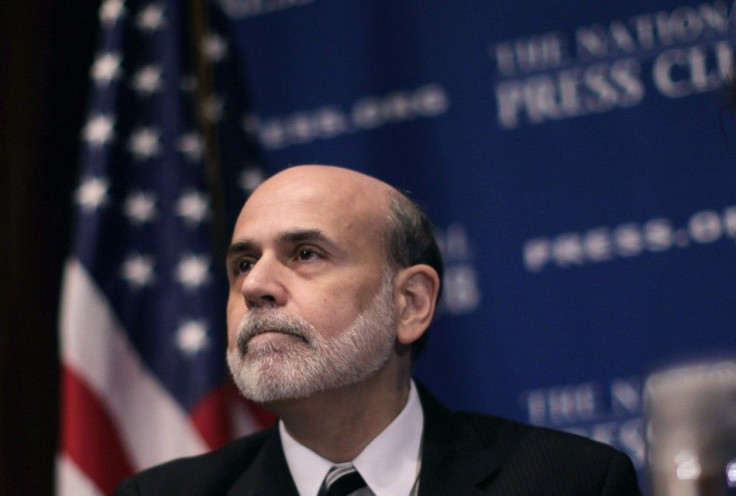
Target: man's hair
410, 241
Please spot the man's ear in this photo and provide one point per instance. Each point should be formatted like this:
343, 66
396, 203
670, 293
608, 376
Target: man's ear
416, 296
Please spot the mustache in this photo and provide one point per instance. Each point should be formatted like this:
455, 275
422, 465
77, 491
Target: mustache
268, 320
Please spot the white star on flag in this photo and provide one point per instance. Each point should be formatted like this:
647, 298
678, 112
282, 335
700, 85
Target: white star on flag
191, 146
106, 68
98, 130
151, 18
271, 135
193, 271
147, 81
137, 270
92, 193
111, 11
191, 337
250, 179
144, 143
193, 206
140, 207
214, 47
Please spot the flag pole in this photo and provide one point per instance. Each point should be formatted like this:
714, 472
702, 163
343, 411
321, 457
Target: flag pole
199, 24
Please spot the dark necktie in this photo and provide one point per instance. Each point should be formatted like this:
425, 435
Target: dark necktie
341, 480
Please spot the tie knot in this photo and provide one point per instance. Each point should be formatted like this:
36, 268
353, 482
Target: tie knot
342, 480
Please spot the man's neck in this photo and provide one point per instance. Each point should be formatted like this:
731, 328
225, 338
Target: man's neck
338, 424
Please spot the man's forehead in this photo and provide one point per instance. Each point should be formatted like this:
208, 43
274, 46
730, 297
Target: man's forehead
281, 218
307, 212
322, 182
317, 194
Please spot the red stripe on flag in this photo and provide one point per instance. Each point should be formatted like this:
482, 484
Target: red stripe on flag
88, 434
263, 417
211, 417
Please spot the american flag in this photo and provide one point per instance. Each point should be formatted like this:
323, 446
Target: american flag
142, 313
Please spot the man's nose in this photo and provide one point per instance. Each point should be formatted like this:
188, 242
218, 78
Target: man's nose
264, 284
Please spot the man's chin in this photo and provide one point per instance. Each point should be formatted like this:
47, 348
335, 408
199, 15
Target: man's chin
261, 379
269, 393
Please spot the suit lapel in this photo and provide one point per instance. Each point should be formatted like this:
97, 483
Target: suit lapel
268, 474
456, 458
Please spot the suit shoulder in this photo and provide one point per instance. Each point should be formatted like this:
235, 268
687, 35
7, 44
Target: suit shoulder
209, 473
556, 458
510, 434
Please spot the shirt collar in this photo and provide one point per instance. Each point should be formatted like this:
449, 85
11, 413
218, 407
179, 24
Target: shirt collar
389, 464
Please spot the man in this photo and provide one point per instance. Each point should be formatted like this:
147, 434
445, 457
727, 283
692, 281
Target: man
334, 279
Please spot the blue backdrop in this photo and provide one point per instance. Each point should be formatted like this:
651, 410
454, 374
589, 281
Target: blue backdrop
575, 157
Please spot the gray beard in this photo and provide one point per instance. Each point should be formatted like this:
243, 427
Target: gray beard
271, 371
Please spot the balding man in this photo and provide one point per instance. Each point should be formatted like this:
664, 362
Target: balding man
334, 280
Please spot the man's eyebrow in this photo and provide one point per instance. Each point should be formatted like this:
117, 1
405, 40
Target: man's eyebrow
239, 247
286, 237
316, 236
302, 236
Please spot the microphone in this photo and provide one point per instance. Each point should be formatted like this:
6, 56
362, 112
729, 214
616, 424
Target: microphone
691, 429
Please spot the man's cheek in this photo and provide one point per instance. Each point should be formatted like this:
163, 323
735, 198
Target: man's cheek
233, 322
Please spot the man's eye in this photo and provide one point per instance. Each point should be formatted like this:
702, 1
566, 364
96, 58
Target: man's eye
307, 254
243, 266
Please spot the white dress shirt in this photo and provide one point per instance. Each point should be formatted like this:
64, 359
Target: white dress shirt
389, 464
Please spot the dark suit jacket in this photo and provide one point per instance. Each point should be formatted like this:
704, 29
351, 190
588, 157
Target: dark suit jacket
462, 454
